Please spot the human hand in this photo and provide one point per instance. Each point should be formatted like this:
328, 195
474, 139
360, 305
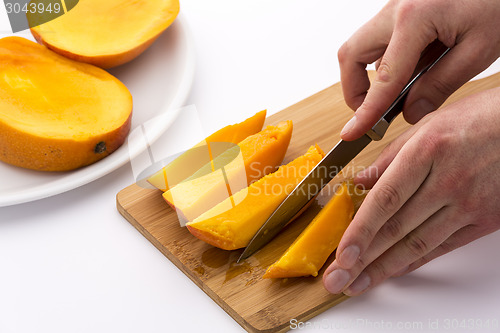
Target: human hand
395, 38
434, 189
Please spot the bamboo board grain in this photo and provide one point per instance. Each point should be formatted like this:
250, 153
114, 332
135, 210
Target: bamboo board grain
260, 305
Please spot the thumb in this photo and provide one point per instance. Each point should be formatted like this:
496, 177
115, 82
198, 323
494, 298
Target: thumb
460, 65
394, 70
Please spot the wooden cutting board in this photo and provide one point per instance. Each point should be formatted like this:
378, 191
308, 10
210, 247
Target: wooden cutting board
261, 304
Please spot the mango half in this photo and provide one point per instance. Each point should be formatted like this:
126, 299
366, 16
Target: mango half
57, 114
106, 33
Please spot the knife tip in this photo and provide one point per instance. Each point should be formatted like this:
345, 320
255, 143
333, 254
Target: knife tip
241, 258
244, 255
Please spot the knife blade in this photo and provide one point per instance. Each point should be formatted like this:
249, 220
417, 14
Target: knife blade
336, 159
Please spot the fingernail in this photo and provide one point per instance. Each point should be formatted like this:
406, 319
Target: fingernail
359, 285
349, 126
349, 256
420, 108
336, 281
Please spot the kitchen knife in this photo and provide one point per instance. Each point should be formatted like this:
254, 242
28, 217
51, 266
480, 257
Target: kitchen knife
337, 158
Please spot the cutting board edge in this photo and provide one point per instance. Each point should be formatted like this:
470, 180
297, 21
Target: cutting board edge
177, 263
304, 317
283, 327
474, 86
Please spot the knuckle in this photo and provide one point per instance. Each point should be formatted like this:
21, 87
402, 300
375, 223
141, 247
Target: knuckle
470, 205
362, 262
442, 87
409, 12
417, 245
407, 9
385, 72
448, 181
343, 53
387, 199
365, 232
434, 143
388, 74
392, 229
378, 271
445, 247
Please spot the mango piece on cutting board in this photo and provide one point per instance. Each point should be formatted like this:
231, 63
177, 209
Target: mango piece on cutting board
57, 114
260, 154
192, 160
232, 223
309, 252
105, 33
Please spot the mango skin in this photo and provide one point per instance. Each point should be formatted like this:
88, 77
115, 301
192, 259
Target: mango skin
57, 114
107, 33
33, 152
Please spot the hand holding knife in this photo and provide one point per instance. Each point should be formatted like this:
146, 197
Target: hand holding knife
337, 158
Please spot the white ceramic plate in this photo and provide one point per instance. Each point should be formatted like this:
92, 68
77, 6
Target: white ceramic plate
159, 80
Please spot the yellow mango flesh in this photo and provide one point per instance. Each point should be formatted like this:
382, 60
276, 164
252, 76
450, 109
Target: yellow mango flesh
232, 223
55, 112
192, 160
107, 33
309, 252
261, 154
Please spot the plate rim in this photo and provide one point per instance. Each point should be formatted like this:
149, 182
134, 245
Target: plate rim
103, 167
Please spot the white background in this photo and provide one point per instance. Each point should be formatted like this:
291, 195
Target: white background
71, 263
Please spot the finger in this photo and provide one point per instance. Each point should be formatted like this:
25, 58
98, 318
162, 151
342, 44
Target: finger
412, 214
415, 245
388, 262
417, 210
395, 70
460, 65
369, 176
458, 239
354, 78
364, 47
388, 195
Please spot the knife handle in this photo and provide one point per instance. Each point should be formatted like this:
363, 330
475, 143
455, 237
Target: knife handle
427, 60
